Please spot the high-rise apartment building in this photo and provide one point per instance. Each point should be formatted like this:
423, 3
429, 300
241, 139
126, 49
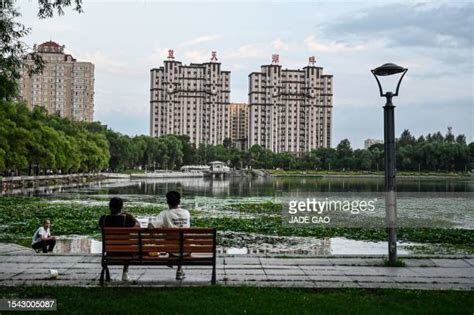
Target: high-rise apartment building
290, 110
65, 87
238, 120
190, 100
370, 142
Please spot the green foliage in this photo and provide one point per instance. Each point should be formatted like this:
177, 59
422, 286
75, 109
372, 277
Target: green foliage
31, 141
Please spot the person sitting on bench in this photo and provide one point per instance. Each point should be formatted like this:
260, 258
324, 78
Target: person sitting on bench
174, 217
42, 238
117, 218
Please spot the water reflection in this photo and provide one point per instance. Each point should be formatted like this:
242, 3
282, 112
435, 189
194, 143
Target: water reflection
78, 246
312, 247
244, 186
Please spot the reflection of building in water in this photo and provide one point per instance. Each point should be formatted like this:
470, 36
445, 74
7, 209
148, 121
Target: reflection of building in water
71, 246
196, 185
320, 247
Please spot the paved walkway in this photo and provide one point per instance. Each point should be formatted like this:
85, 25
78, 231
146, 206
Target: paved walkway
21, 266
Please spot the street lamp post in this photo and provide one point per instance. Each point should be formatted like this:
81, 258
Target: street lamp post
389, 149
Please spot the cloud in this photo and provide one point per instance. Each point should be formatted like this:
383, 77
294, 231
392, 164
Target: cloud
197, 56
246, 51
408, 25
280, 45
106, 63
200, 40
320, 46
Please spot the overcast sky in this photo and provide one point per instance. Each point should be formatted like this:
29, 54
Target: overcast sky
125, 39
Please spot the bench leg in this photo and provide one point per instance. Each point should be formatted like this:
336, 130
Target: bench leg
213, 280
101, 280
107, 274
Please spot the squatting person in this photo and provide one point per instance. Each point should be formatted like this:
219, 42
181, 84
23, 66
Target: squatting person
42, 238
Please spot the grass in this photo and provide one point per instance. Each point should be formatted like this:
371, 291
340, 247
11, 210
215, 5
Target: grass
247, 300
397, 263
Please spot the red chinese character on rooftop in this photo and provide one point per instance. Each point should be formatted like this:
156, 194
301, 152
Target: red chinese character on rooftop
312, 60
171, 54
213, 56
275, 59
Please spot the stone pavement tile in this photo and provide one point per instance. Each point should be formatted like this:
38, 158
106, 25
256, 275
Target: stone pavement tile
435, 286
31, 276
227, 267
293, 271
322, 272
414, 279
470, 261
330, 278
245, 271
445, 272
454, 280
377, 271
419, 263
244, 278
86, 266
281, 284
62, 259
280, 267
371, 279
314, 262
355, 271
91, 258
449, 263
329, 284
25, 266
293, 284
294, 261
348, 261
242, 261
288, 278
382, 285
6, 276
23, 258
315, 268
374, 261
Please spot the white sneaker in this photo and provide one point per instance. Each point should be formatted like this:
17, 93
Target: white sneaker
125, 276
180, 275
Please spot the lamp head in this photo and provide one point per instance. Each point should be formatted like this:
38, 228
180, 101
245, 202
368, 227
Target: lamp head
387, 70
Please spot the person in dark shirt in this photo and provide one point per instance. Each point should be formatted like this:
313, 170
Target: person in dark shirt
117, 218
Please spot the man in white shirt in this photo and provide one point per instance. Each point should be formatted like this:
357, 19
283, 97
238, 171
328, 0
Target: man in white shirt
174, 217
42, 238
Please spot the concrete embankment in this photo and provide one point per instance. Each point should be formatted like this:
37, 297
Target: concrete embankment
31, 181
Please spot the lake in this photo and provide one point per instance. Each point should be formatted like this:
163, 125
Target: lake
455, 208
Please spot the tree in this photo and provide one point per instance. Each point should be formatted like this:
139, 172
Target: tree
406, 138
344, 154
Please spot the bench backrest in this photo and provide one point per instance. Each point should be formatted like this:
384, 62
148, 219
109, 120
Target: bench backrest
143, 241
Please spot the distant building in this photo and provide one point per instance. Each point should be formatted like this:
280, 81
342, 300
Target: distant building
65, 87
238, 121
290, 110
370, 142
190, 100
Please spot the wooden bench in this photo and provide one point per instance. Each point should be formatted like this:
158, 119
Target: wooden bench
167, 247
